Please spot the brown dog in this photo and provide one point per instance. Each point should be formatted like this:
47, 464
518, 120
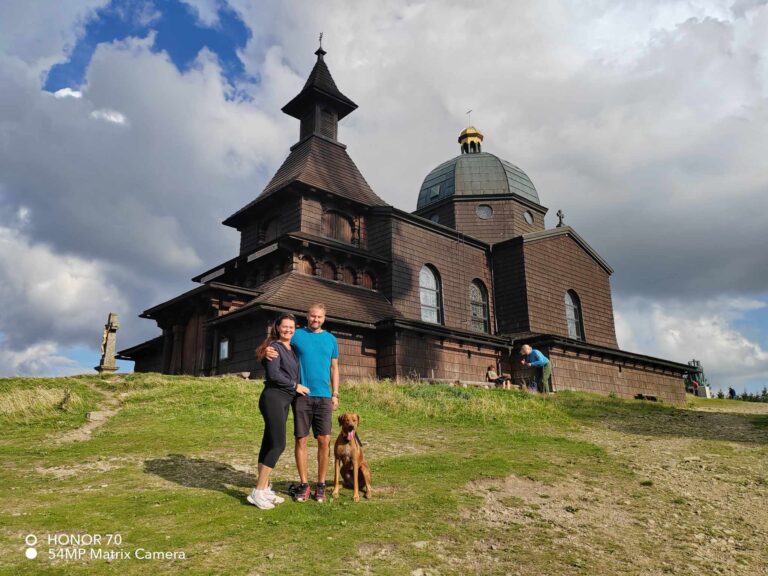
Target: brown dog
350, 462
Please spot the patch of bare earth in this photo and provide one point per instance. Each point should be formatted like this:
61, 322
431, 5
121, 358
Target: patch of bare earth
98, 466
695, 503
110, 405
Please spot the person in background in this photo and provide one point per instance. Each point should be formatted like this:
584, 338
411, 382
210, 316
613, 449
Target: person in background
695, 387
281, 386
535, 359
503, 380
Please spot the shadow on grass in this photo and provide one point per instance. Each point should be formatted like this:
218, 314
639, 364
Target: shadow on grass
201, 473
650, 419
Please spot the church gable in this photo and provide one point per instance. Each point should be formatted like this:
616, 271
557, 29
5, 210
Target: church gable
567, 288
567, 231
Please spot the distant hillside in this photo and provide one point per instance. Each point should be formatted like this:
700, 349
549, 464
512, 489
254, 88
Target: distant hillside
465, 482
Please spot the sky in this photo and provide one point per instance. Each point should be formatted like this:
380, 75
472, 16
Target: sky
129, 129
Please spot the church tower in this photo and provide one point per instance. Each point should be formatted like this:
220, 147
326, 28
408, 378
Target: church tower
320, 104
316, 196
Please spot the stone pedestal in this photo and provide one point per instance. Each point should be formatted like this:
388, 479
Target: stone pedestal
108, 345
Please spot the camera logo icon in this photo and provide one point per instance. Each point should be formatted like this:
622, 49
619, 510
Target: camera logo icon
31, 551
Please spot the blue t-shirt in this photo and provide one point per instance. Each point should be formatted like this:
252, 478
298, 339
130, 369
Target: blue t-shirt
315, 351
535, 358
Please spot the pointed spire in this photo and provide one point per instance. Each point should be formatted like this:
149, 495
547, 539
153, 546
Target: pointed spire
319, 92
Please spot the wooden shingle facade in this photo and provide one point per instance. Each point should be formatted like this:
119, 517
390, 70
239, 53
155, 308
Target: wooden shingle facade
440, 293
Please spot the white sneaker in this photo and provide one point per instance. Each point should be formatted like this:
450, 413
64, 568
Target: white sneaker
273, 496
260, 499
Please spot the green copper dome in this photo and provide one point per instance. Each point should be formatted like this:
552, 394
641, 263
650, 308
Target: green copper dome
475, 173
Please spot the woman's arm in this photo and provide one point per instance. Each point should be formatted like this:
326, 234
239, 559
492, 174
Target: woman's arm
276, 375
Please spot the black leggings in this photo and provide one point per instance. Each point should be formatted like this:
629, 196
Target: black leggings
274, 405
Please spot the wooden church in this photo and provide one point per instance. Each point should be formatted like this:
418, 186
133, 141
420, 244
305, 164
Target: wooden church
440, 293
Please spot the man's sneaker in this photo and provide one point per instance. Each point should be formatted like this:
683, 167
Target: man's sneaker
302, 493
260, 499
272, 495
320, 492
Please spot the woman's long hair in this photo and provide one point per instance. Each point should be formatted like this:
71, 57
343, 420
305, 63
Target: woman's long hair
273, 335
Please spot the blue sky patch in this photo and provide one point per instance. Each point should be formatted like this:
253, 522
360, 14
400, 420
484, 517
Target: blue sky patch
178, 32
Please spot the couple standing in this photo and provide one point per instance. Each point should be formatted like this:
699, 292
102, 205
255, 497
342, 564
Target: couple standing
302, 370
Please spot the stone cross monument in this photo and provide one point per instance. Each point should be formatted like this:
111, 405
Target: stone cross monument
108, 343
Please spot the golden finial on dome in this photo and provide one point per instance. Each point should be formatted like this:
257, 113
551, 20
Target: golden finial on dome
470, 140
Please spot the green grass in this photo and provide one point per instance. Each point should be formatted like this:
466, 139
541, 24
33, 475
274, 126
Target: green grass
170, 472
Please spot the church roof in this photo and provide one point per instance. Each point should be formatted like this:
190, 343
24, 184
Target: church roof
296, 291
477, 173
322, 164
567, 231
320, 84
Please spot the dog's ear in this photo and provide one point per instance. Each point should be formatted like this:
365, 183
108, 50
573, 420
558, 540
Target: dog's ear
341, 419
357, 418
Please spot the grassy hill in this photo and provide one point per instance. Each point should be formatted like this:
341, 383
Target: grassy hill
466, 482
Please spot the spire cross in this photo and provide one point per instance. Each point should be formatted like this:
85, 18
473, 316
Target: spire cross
320, 39
469, 117
560, 218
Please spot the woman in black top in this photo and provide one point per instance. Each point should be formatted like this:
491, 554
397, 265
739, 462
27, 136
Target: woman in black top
281, 385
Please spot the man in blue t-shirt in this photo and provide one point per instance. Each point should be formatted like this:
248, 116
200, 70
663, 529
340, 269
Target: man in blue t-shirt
318, 354
535, 359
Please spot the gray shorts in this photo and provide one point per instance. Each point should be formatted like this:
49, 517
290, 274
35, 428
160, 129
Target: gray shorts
312, 411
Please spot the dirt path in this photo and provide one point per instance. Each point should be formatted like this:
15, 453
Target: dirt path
110, 405
695, 502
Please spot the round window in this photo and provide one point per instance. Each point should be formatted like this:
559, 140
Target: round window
484, 211
435, 218
528, 217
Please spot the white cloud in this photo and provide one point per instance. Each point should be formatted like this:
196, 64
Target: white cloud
207, 11
137, 209
39, 359
704, 330
67, 93
110, 116
41, 33
51, 297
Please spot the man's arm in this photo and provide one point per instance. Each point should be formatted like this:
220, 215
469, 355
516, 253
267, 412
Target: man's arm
270, 353
538, 359
335, 382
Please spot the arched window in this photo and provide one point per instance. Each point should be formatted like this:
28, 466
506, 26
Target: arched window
573, 316
306, 266
328, 270
348, 275
478, 303
429, 293
368, 280
337, 226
